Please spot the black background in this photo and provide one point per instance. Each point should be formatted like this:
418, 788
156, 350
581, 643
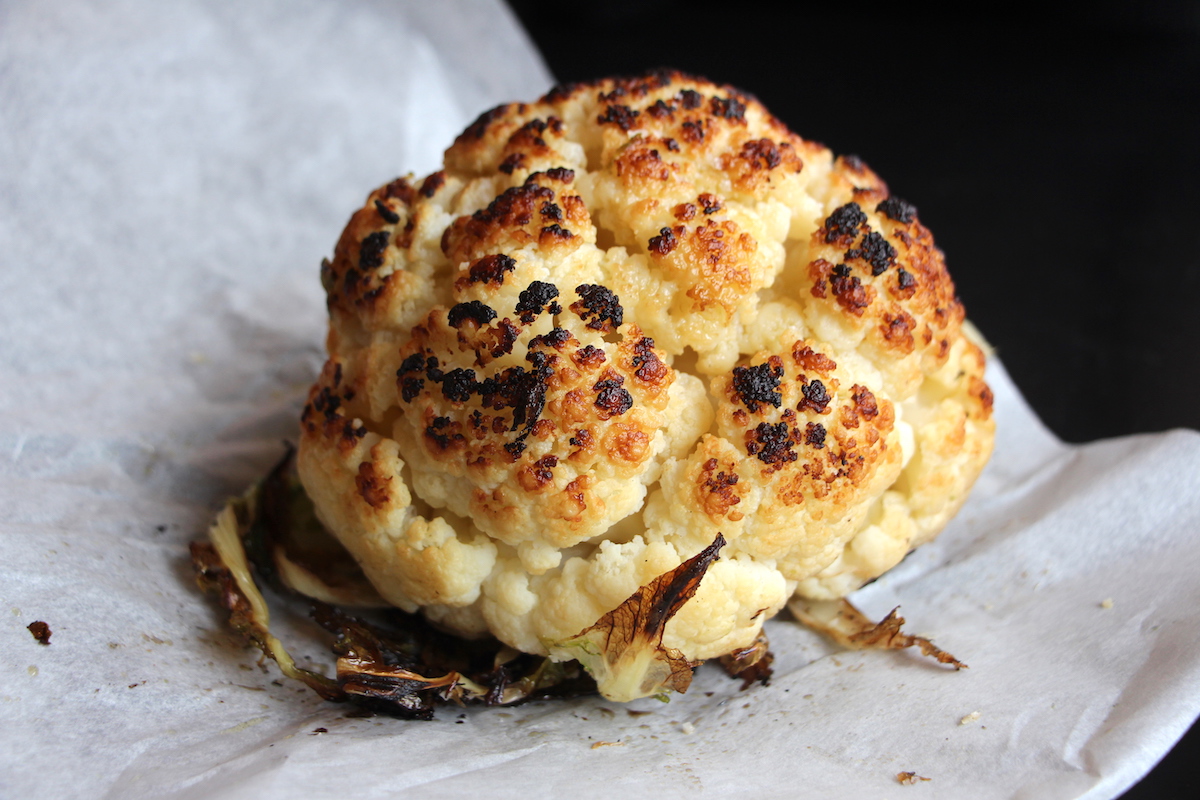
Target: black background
1056, 158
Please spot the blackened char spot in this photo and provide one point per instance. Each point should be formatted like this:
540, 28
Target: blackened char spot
535, 298
411, 364
599, 307
904, 279
389, 216
370, 253
556, 338
848, 289
721, 483
759, 384
814, 434
589, 356
710, 202
727, 107
556, 231
897, 209
690, 98
472, 309
524, 391
771, 443
542, 468
491, 269
459, 384
410, 387
431, 184
649, 367
664, 243
506, 336
561, 174
843, 223
660, 110
762, 153
401, 189
516, 446
550, 210
612, 399
327, 403
615, 94
875, 250
479, 127
560, 92
514, 207
441, 432
536, 127
431, 369
512, 163
816, 398
622, 116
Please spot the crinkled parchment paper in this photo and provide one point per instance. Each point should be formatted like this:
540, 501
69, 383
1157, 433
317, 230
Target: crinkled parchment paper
170, 176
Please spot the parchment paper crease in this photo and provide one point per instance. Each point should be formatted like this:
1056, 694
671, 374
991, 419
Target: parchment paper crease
170, 177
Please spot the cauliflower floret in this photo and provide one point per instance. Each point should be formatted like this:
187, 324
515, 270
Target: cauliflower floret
626, 322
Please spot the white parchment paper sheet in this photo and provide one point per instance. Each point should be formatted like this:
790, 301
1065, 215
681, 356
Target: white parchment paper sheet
170, 176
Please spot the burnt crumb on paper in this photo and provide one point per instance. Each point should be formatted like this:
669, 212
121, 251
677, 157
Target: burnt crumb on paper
40, 631
908, 778
751, 664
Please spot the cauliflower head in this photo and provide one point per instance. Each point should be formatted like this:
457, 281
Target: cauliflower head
625, 319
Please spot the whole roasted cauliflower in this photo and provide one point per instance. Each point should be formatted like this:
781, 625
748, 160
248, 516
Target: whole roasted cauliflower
623, 320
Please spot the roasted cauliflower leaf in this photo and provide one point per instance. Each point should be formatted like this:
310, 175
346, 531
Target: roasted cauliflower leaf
847, 626
396, 664
623, 650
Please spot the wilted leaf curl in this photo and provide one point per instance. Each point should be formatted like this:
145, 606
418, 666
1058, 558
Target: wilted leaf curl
293, 550
399, 665
849, 627
623, 650
221, 567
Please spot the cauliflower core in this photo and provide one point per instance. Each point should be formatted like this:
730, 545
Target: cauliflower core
623, 319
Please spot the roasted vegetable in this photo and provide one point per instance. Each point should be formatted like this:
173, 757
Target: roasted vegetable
624, 320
